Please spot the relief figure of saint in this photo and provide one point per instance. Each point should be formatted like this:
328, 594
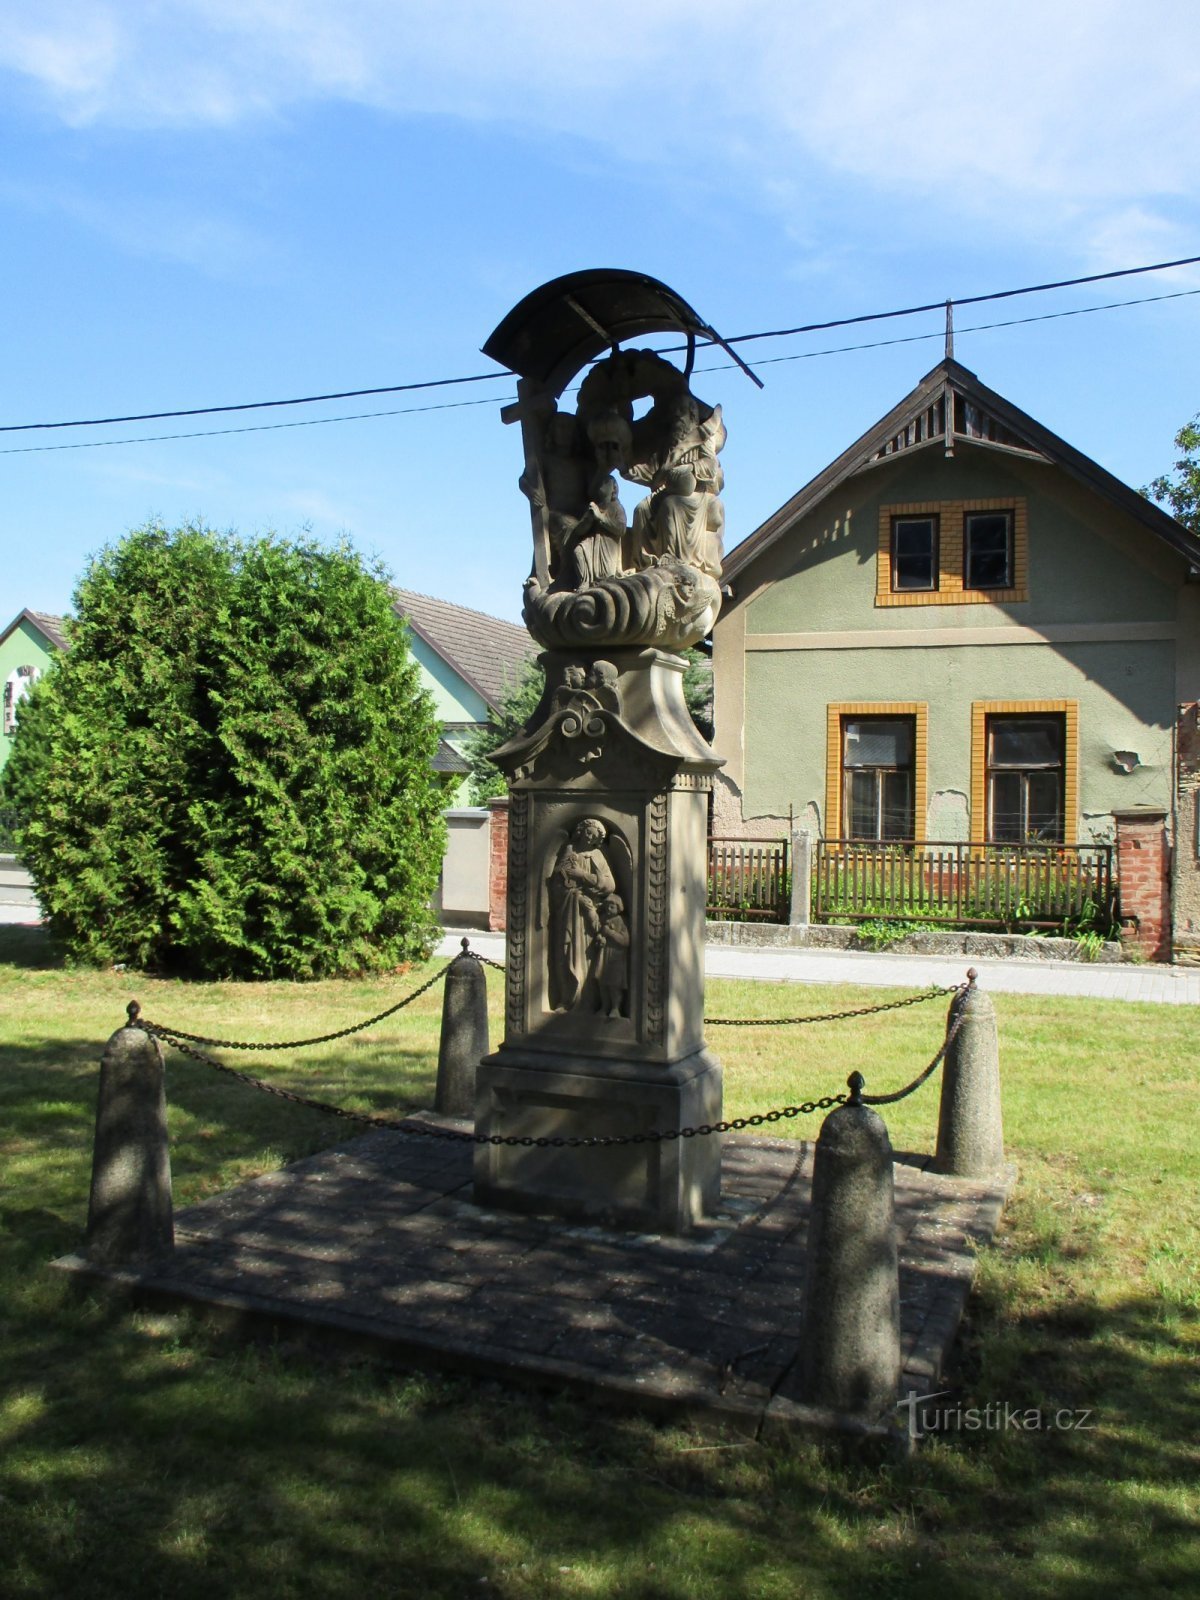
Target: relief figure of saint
582, 880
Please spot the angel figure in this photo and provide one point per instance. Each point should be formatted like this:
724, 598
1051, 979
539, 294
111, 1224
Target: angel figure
579, 883
682, 516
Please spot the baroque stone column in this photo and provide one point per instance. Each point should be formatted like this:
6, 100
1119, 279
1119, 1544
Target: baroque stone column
608, 813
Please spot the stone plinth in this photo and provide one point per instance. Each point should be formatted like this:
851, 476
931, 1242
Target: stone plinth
608, 823
658, 1187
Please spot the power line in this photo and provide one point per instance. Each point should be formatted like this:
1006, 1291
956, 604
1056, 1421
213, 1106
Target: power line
726, 366
253, 405
490, 377
964, 300
254, 427
974, 327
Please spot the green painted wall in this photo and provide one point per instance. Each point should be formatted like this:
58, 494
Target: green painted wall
25, 646
1088, 564
1122, 706
454, 699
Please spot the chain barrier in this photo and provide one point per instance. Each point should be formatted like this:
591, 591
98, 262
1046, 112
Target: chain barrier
933, 993
184, 1043
175, 1034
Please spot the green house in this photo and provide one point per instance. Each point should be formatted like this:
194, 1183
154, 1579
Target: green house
468, 663
27, 647
962, 630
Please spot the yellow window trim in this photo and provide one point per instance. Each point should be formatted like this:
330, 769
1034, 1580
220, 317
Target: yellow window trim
834, 714
981, 710
950, 590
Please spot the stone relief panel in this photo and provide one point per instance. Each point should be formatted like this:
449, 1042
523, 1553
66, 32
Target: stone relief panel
585, 913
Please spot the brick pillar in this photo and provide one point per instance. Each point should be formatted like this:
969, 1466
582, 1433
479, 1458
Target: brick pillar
498, 865
1143, 873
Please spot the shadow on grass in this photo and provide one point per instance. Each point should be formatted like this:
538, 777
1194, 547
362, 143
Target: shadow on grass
29, 947
149, 1455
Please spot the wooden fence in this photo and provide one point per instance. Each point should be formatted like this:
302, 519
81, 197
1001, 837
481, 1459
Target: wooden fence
749, 879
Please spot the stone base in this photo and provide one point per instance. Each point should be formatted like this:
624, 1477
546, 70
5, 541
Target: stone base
665, 1187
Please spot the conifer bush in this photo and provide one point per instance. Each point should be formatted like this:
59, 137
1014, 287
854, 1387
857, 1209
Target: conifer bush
228, 774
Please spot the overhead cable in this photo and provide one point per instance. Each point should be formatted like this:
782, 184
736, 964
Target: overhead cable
491, 377
724, 366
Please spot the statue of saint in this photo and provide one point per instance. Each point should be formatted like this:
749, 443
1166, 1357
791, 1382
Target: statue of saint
581, 880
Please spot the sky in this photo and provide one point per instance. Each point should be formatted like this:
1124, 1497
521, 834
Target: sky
208, 202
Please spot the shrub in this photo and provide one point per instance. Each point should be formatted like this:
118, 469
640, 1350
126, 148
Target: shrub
228, 773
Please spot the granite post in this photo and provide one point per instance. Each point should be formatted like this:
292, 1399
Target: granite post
850, 1347
970, 1140
130, 1217
464, 1039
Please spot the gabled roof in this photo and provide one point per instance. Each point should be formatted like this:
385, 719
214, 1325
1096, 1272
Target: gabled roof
485, 651
979, 419
50, 627
446, 759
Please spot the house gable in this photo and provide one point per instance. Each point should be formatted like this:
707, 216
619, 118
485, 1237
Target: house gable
1096, 620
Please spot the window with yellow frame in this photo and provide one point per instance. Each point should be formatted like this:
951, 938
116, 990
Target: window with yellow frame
953, 552
875, 770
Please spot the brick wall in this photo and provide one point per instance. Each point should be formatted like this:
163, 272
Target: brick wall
498, 868
1144, 874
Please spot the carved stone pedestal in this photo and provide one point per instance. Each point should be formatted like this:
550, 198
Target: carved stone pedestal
608, 826
659, 1187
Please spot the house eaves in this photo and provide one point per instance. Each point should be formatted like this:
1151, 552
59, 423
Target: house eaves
980, 418
51, 628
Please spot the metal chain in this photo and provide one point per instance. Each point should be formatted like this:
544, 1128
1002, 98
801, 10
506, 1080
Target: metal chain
932, 993
406, 1125
175, 1034
570, 1142
856, 1094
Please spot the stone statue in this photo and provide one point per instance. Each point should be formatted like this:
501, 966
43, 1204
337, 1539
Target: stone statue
682, 516
600, 581
581, 883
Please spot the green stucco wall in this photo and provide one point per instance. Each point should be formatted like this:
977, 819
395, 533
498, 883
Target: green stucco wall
1086, 563
1090, 567
25, 646
454, 700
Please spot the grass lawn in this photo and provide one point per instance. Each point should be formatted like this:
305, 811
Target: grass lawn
146, 1455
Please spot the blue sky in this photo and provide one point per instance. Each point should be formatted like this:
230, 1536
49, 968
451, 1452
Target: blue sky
211, 201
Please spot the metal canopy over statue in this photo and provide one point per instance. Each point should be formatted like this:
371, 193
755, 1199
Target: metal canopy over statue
609, 780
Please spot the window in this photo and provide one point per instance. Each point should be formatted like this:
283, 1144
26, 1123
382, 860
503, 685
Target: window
1025, 778
16, 687
914, 552
877, 777
988, 550
953, 552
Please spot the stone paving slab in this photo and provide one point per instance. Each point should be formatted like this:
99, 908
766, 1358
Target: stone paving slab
378, 1241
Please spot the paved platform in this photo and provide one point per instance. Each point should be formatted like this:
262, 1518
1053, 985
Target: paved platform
378, 1242
1161, 985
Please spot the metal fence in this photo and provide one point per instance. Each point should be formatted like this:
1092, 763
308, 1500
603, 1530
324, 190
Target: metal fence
1011, 886
749, 879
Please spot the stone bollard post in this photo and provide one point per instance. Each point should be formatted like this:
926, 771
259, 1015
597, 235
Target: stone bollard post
464, 1040
800, 913
850, 1350
970, 1141
130, 1217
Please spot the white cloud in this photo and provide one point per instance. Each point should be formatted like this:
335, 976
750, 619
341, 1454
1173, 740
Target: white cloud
1031, 115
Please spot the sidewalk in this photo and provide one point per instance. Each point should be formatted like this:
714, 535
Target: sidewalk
1178, 986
